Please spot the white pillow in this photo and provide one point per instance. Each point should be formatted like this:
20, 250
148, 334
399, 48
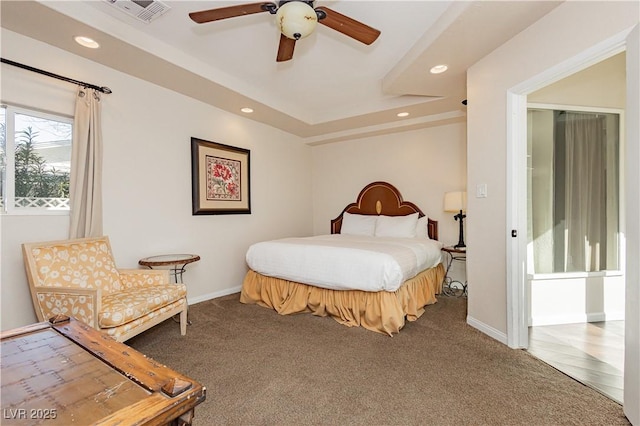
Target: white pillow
358, 224
422, 227
397, 226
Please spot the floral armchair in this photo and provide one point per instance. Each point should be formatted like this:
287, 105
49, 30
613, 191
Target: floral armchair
79, 278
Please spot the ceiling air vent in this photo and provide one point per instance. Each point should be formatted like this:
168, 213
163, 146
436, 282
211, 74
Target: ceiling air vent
143, 10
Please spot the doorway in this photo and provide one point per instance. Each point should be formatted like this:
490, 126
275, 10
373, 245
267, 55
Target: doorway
575, 277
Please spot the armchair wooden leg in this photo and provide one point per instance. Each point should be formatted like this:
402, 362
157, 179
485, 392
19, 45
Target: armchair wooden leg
183, 321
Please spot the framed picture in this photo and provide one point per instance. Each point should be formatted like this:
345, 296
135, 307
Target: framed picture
219, 178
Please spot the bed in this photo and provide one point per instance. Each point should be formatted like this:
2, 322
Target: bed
380, 266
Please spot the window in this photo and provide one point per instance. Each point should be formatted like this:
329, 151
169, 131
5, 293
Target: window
35, 161
574, 189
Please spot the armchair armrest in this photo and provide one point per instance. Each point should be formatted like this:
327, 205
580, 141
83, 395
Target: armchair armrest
132, 278
80, 303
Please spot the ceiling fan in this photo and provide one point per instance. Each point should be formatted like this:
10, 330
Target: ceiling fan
296, 19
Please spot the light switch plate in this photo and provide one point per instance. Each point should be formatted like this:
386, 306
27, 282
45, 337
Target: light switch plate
481, 190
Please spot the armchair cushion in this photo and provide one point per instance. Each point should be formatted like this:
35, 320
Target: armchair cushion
85, 264
131, 278
120, 308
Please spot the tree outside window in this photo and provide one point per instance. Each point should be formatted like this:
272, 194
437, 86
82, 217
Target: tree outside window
36, 160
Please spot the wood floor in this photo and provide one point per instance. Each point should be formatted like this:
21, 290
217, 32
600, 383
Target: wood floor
592, 353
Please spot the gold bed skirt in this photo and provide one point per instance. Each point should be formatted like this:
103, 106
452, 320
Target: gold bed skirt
383, 311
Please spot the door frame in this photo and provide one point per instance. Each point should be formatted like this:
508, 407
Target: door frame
516, 197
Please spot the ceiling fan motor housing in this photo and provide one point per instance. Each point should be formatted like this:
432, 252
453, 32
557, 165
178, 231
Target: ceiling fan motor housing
296, 19
272, 8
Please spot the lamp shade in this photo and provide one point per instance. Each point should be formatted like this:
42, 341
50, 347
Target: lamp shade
455, 201
296, 19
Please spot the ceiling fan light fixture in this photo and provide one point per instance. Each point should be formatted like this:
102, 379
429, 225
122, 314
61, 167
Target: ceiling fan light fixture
296, 19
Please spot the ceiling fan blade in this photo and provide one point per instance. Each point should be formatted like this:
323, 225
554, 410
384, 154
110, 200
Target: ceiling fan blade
285, 49
231, 11
347, 26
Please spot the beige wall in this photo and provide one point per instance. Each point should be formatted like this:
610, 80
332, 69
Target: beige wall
601, 85
632, 232
147, 177
422, 164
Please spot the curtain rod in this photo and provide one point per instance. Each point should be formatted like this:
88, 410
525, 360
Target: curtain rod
103, 89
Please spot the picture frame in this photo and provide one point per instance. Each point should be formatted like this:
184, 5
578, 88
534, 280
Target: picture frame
219, 178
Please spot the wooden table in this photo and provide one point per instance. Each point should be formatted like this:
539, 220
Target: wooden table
176, 263
64, 372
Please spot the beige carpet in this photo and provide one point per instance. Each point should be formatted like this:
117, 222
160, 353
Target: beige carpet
261, 368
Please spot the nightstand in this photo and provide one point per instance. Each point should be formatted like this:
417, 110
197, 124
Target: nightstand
451, 287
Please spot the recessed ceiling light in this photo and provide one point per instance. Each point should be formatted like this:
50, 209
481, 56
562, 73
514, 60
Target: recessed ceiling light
402, 114
86, 42
438, 69
246, 110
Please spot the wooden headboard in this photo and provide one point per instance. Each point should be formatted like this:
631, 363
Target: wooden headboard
382, 198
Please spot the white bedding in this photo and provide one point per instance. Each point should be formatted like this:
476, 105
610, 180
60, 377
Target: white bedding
345, 262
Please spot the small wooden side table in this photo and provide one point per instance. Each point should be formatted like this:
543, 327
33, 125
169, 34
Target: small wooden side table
455, 254
176, 262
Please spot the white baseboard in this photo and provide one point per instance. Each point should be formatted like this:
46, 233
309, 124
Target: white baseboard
606, 316
488, 330
576, 318
215, 294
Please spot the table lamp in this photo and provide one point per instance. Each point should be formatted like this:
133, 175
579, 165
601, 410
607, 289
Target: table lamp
457, 202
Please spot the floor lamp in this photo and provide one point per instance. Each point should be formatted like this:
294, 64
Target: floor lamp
457, 202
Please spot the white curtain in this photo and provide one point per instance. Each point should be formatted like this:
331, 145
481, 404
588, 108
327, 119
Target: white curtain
588, 177
574, 170
86, 167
